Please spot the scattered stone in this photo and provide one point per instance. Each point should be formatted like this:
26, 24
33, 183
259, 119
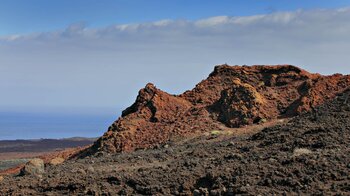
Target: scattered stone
57, 161
262, 121
204, 191
215, 192
34, 167
100, 154
234, 156
1, 178
90, 169
196, 192
301, 151
81, 171
215, 132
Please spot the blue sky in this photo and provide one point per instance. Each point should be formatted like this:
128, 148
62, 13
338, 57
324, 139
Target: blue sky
23, 16
77, 60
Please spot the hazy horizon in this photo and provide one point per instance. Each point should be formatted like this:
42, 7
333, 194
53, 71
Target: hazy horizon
54, 125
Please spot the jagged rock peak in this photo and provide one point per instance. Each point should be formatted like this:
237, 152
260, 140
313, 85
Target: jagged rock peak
145, 95
150, 87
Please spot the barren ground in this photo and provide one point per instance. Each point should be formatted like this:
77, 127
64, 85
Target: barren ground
307, 155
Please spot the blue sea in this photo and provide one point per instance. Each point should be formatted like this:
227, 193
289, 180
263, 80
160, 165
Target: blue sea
37, 125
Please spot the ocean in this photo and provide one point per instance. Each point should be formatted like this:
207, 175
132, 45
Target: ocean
36, 125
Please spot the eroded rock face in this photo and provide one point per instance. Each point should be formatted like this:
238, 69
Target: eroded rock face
231, 96
146, 122
155, 105
240, 105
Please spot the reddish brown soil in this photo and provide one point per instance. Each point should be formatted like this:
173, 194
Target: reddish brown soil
13, 170
232, 96
20, 155
65, 154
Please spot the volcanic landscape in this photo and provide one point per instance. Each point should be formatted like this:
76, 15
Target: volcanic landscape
249, 130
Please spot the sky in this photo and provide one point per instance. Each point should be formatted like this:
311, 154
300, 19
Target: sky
63, 63
26, 16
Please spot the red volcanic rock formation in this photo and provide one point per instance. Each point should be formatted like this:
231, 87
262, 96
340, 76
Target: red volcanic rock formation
151, 120
231, 96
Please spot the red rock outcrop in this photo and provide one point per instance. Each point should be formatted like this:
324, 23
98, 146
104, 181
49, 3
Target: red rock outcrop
232, 96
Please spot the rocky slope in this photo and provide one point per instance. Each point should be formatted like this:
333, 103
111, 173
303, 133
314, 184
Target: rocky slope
232, 96
307, 155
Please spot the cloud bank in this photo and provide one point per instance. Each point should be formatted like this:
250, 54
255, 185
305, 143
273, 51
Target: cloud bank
104, 67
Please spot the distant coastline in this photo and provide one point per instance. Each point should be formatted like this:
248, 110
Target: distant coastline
16, 152
53, 125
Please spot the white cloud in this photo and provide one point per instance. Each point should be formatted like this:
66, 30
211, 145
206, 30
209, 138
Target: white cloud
209, 22
81, 66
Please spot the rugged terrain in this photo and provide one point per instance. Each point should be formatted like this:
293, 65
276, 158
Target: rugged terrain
232, 96
244, 130
308, 154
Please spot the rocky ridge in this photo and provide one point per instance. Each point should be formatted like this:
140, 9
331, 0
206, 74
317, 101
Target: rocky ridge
232, 96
